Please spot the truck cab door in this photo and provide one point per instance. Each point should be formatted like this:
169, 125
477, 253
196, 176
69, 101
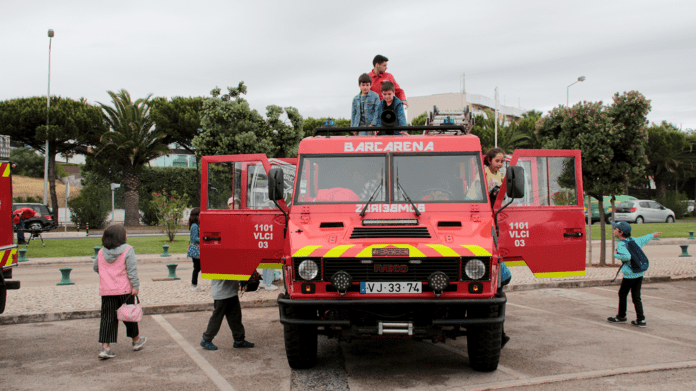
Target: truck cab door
545, 229
241, 228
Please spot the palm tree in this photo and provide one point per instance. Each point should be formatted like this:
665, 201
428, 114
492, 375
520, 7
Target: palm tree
131, 144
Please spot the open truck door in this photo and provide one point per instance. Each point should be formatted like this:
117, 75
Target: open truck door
545, 229
241, 228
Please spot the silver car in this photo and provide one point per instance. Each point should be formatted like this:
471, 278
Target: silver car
643, 211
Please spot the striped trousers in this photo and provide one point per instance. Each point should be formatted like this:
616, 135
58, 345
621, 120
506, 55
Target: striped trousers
108, 328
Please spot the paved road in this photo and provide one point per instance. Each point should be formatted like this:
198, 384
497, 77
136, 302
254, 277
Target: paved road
560, 340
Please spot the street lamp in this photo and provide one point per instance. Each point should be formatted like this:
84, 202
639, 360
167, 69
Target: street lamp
581, 78
48, 107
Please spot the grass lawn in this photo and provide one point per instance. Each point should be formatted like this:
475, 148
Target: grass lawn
674, 230
85, 247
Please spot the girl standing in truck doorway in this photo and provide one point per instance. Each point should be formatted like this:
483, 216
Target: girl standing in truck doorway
493, 162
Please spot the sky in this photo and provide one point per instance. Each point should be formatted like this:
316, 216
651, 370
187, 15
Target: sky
309, 54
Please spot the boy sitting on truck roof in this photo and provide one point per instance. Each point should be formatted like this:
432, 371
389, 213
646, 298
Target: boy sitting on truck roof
393, 103
365, 105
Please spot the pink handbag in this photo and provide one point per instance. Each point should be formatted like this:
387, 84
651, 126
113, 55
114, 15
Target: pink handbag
130, 312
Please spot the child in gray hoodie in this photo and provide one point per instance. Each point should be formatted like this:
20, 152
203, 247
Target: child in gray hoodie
118, 284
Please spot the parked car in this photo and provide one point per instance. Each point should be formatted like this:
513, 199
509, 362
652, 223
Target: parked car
607, 207
41, 221
643, 211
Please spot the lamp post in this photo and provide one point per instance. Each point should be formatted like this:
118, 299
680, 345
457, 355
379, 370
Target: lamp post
48, 108
581, 78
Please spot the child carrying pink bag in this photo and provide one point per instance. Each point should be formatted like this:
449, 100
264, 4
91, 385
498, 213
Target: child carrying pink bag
118, 285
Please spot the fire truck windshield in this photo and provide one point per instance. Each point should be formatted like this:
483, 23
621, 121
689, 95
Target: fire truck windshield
438, 178
425, 178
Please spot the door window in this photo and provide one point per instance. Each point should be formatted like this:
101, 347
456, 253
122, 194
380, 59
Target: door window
549, 181
221, 186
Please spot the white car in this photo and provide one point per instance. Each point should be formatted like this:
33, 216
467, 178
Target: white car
643, 211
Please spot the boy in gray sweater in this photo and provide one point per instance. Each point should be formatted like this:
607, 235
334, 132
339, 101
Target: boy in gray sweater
226, 305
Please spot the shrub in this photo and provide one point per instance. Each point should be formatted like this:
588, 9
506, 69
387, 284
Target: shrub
170, 211
673, 200
91, 206
183, 180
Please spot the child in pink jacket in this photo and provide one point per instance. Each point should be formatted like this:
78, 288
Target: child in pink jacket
118, 284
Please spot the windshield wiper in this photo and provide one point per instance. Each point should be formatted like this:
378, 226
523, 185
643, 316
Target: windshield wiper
415, 209
362, 214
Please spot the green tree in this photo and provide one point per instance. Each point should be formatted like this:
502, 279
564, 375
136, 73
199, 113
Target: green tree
231, 127
93, 204
132, 142
73, 126
671, 156
510, 136
28, 162
179, 118
420, 120
612, 140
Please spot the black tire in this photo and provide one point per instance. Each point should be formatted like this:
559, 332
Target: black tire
640, 220
300, 344
670, 219
484, 344
607, 219
3, 293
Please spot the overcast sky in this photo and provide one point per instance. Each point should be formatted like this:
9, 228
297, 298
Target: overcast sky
309, 54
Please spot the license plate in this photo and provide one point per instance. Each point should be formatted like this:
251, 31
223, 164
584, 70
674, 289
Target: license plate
391, 288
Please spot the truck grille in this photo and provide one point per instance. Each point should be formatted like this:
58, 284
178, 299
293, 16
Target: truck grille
386, 269
377, 233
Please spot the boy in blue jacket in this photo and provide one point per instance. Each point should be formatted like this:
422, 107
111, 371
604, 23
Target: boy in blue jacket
631, 281
391, 102
365, 105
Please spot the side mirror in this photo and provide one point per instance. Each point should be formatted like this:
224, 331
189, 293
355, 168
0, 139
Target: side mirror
276, 184
514, 179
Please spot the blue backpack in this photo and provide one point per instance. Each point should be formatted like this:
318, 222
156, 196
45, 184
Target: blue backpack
639, 262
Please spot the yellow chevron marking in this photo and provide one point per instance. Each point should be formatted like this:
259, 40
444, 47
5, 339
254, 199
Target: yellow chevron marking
6, 173
305, 251
367, 251
337, 251
443, 250
515, 263
578, 273
270, 266
238, 277
412, 251
477, 250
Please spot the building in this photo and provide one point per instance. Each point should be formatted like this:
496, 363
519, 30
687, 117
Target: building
458, 101
178, 157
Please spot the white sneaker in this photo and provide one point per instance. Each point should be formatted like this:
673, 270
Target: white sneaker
269, 287
194, 288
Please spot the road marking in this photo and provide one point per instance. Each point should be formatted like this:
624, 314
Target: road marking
649, 297
501, 368
578, 376
605, 324
202, 363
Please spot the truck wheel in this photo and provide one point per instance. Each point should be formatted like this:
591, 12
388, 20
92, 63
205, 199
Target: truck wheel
3, 293
484, 344
300, 344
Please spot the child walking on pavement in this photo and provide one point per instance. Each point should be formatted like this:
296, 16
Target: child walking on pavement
632, 281
118, 284
226, 305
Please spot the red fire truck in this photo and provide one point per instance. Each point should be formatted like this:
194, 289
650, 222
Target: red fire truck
392, 236
8, 250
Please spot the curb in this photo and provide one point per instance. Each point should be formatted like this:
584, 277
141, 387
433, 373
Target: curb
201, 307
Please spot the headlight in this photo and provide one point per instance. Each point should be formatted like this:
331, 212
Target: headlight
308, 270
475, 269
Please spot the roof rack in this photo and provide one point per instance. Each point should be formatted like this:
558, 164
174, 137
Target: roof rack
389, 130
438, 119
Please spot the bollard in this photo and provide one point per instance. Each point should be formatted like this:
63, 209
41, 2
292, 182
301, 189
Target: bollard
65, 273
87, 228
165, 248
691, 235
96, 252
172, 271
684, 248
22, 255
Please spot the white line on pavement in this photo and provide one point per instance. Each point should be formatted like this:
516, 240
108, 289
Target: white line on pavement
649, 297
578, 376
202, 363
605, 324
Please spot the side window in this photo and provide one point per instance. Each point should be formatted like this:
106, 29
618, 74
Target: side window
549, 181
655, 205
220, 185
644, 205
257, 187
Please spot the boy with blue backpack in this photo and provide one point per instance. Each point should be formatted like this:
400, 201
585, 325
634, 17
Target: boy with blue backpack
634, 264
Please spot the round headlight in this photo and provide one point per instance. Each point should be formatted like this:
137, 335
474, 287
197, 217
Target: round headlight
308, 270
475, 269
